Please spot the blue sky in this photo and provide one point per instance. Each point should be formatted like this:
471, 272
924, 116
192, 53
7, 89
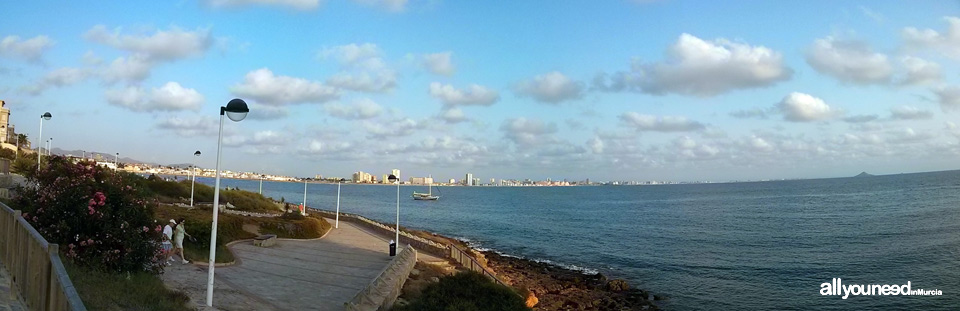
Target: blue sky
611, 90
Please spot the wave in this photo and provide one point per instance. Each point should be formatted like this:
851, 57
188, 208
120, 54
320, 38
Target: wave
476, 245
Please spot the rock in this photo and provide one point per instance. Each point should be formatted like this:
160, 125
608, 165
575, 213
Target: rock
532, 300
414, 274
618, 285
434, 279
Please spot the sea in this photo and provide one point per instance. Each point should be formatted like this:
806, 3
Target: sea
744, 246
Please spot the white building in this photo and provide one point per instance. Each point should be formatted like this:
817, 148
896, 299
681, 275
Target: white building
468, 180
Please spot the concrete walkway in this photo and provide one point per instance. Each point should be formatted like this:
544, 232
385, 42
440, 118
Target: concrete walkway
309, 274
8, 299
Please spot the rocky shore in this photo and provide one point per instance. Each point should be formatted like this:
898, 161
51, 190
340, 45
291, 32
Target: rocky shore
558, 288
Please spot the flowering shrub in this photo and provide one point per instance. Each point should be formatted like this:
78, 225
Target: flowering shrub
96, 215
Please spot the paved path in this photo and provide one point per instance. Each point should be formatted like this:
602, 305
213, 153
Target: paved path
309, 274
8, 300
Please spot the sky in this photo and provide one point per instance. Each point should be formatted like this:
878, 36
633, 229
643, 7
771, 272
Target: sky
607, 90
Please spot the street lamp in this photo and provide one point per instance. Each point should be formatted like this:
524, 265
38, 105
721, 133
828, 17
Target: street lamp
116, 162
396, 179
236, 110
193, 178
303, 208
45, 116
49, 145
261, 184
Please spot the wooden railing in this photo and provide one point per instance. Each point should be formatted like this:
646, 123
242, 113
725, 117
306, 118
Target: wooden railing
35, 268
467, 261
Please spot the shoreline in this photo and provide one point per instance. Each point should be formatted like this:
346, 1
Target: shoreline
554, 286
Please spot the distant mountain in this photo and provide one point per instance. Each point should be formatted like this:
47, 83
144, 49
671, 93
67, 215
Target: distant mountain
107, 157
864, 174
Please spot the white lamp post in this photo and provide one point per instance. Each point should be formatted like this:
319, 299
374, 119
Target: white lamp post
45, 116
193, 177
49, 145
303, 211
337, 223
116, 162
236, 110
261, 184
396, 179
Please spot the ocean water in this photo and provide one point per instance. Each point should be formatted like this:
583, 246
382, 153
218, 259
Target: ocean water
744, 246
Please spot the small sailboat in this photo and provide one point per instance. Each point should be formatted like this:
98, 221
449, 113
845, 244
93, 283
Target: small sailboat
426, 196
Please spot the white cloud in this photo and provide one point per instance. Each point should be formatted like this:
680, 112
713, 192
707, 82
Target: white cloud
474, 95
389, 5
528, 132
551, 88
134, 68
947, 43
170, 97
439, 63
360, 109
58, 78
453, 115
757, 113
302, 5
910, 113
644, 122
874, 15
365, 56
702, 68
395, 128
919, 71
800, 107
861, 118
364, 82
948, 96
30, 50
189, 127
264, 112
596, 145
91, 59
264, 87
849, 61
168, 45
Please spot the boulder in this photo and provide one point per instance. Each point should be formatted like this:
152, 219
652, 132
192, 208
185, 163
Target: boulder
618, 285
414, 274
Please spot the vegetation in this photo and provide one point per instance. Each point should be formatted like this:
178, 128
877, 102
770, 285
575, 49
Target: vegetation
101, 290
305, 228
466, 291
7, 154
98, 217
25, 164
173, 192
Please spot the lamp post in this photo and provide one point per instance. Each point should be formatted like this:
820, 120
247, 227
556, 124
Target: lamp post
337, 223
49, 145
236, 110
17, 155
44, 116
261, 184
116, 162
303, 208
396, 179
193, 177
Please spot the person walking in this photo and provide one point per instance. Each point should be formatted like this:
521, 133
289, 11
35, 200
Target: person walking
167, 241
178, 233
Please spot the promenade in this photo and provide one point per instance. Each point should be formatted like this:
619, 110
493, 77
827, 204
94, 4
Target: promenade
319, 274
8, 300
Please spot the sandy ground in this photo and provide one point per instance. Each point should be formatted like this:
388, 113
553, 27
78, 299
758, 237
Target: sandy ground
192, 280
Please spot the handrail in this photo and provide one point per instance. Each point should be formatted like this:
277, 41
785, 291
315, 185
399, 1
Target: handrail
471, 263
37, 274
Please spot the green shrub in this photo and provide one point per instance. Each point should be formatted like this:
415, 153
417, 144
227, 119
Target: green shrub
7, 154
248, 201
25, 164
98, 217
466, 291
305, 228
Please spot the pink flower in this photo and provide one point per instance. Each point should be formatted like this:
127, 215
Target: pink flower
89, 241
90, 210
83, 243
145, 229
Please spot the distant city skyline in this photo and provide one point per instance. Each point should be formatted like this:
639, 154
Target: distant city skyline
613, 90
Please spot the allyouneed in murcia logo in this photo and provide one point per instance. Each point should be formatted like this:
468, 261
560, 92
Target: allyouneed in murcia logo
837, 288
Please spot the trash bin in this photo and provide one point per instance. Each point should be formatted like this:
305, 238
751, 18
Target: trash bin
393, 248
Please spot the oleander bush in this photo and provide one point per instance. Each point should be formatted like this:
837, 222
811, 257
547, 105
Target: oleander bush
97, 216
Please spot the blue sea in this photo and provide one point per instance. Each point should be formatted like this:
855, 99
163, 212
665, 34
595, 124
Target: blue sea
744, 246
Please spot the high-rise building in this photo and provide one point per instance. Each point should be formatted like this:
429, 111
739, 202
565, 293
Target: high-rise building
384, 180
421, 180
453, 181
396, 172
362, 177
468, 181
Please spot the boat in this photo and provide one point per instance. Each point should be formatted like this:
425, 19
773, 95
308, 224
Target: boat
426, 196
